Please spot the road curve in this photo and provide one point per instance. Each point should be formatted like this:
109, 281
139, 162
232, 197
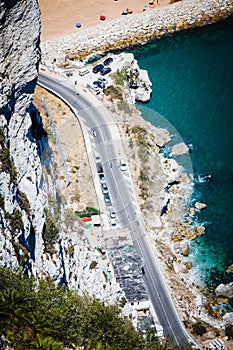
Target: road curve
108, 146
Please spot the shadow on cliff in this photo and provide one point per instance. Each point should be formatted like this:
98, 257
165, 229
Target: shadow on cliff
36, 132
9, 3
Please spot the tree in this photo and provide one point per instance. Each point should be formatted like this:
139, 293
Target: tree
199, 328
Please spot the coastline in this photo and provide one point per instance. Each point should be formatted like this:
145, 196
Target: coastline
168, 235
192, 299
133, 30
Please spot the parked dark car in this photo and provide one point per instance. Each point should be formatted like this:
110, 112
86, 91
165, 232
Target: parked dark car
99, 168
105, 71
108, 61
107, 199
101, 177
98, 83
98, 68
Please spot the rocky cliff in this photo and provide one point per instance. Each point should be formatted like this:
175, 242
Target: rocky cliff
29, 236
21, 182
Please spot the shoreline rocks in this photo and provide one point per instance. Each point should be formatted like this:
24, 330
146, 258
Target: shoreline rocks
225, 290
134, 30
179, 149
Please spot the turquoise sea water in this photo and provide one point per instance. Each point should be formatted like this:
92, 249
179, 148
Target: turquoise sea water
192, 76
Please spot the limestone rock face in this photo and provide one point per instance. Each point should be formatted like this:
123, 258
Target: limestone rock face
19, 56
23, 188
225, 290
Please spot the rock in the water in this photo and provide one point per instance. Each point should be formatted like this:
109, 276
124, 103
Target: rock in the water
200, 206
225, 290
179, 149
230, 269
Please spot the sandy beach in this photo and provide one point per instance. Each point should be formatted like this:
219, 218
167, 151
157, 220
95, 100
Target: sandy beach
59, 17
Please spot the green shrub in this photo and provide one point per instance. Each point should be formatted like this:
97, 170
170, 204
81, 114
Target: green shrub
71, 250
123, 301
45, 316
123, 106
115, 92
15, 219
50, 233
199, 328
7, 164
24, 202
88, 212
93, 265
2, 202
2, 138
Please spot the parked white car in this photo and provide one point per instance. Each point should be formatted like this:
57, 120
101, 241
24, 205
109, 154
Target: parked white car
123, 166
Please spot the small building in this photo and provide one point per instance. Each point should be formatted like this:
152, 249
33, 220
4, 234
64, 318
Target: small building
216, 344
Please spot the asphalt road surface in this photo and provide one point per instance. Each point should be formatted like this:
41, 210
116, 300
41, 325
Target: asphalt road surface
105, 142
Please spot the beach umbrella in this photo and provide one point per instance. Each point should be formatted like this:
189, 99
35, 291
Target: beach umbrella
78, 25
102, 18
151, 2
125, 12
130, 10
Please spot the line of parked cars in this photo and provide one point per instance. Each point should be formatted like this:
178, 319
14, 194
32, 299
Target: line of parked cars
105, 192
104, 186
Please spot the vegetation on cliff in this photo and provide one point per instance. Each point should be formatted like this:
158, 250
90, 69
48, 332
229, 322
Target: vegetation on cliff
45, 316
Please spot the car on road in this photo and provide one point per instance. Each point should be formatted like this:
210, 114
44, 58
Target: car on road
108, 61
105, 71
107, 199
97, 159
99, 168
98, 68
113, 224
112, 214
123, 165
104, 188
101, 178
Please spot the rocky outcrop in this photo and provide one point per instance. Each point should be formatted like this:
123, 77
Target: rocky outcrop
137, 29
230, 269
225, 290
180, 148
200, 206
228, 318
19, 56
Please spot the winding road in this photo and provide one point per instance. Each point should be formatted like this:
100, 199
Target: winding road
107, 144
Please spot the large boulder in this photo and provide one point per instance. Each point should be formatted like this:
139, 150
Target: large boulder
228, 318
184, 247
230, 269
199, 205
225, 290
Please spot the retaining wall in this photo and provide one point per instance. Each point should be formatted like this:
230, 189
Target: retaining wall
136, 29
